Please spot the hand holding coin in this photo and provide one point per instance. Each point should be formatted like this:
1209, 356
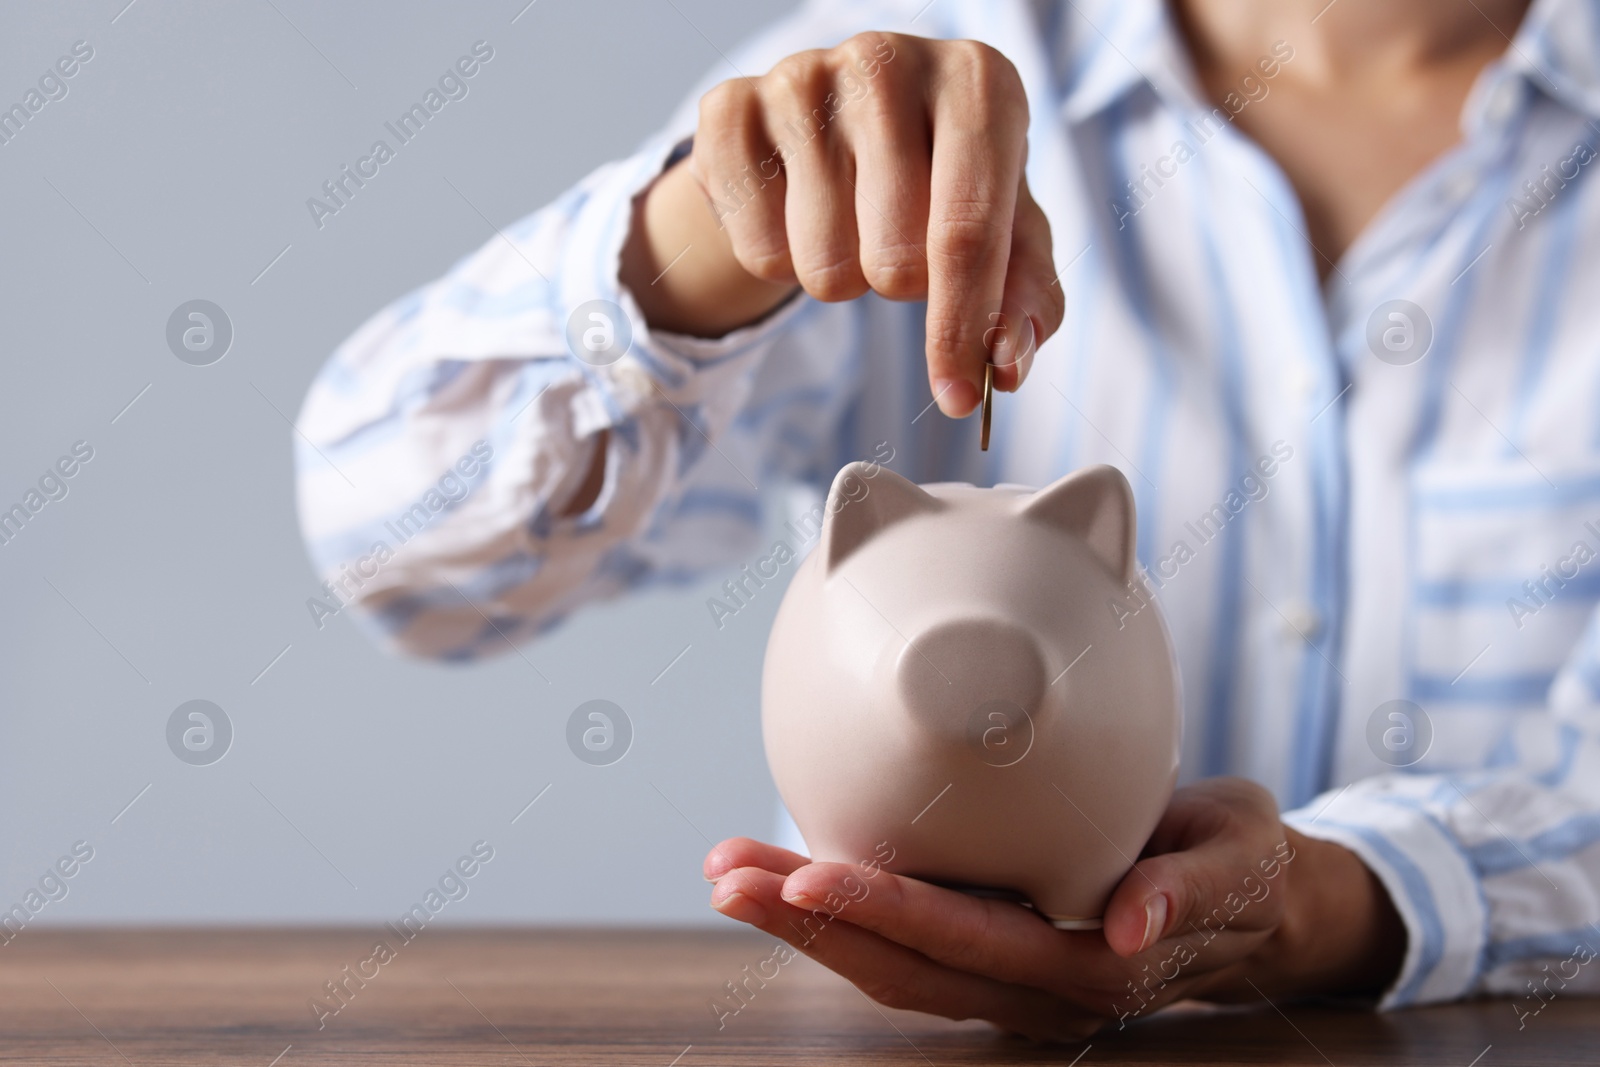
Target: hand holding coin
1011, 340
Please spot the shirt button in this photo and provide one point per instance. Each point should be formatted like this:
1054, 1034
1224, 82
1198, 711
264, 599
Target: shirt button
634, 379
1301, 620
1460, 186
1502, 102
1302, 384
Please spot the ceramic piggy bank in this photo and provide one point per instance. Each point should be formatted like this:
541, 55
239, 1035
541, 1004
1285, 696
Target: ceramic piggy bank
946, 675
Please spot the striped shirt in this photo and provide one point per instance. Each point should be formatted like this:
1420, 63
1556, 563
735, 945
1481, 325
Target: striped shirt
1380, 488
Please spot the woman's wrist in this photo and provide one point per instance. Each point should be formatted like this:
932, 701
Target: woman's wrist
679, 264
1341, 934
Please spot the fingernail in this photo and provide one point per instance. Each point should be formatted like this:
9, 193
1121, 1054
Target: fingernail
738, 906
956, 397
1155, 920
801, 900
1025, 361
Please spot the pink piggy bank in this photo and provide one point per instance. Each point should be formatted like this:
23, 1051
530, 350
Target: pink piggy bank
946, 676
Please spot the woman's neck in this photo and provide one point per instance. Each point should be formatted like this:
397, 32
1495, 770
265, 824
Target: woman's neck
1348, 39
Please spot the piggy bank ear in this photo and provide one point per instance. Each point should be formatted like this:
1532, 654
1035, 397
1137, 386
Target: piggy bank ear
865, 499
1096, 505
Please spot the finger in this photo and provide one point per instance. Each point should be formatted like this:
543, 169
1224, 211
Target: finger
996, 938
1198, 813
819, 208
1031, 293
885, 124
892, 974
1226, 880
980, 133
739, 171
738, 852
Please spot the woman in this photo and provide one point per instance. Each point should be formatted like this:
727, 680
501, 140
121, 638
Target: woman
1309, 273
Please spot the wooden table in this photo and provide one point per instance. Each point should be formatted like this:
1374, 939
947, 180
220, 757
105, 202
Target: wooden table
619, 997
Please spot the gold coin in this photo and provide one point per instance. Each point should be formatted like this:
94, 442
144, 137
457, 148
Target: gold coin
988, 406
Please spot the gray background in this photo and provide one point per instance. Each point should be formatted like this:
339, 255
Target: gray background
173, 570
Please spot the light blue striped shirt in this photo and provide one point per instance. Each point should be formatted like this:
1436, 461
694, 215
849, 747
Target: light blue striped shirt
1381, 487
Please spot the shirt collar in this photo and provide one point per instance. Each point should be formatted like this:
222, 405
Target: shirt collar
1557, 50
1106, 48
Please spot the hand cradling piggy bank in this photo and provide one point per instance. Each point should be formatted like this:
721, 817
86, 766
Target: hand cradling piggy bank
945, 675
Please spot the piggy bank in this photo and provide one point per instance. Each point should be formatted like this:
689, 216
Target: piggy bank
965, 676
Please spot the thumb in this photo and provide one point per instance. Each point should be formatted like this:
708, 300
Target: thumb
1229, 881
1033, 296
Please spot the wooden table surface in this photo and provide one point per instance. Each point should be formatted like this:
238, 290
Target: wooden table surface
620, 997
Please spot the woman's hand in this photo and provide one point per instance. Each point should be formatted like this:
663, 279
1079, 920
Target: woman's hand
1227, 904
889, 163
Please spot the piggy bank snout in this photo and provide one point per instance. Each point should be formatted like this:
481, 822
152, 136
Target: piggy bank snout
956, 674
